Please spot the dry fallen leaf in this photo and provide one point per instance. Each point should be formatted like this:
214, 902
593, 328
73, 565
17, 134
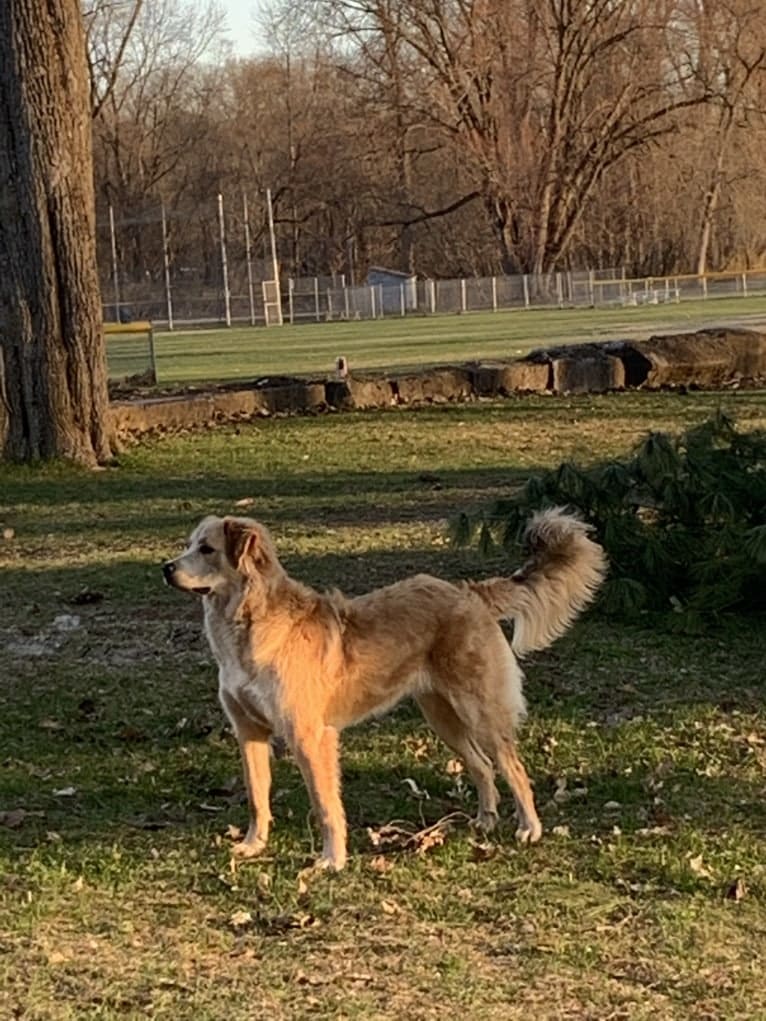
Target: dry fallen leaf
736, 890
16, 816
240, 918
483, 850
562, 794
381, 864
309, 980
699, 868
50, 724
390, 907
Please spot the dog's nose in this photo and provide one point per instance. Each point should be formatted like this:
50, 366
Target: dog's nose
167, 570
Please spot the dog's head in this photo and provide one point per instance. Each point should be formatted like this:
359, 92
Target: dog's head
223, 555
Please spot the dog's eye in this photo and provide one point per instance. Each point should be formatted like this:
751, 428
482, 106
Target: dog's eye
205, 549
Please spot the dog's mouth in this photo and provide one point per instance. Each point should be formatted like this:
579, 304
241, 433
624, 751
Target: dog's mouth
203, 590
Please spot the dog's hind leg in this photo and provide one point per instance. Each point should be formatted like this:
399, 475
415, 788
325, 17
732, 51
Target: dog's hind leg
529, 828
317, 756
448, 725
253, 740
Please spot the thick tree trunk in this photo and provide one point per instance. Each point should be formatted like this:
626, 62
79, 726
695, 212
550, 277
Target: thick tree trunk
53, 372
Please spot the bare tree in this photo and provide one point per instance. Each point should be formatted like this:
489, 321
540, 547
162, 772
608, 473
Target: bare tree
108, 26
53, 372
543, 98
730, 37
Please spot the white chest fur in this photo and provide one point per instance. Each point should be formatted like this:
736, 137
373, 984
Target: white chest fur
256, 690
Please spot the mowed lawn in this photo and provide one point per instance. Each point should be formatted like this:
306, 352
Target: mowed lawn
120, 788
247, 353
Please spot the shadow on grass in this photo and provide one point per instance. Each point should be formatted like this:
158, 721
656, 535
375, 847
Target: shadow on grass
160, 506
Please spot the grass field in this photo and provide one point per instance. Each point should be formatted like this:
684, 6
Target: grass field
245, 352
646, 897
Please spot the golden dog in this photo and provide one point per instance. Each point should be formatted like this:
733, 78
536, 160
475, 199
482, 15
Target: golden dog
304, 664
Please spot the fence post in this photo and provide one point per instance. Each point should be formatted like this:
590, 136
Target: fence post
224, 262
316, 299
591, 289
345, 300
744, 285
559, 292
525, 288
703, 281
166, 262
432, 295
290, 305
401, 300
115, 272
372, 301
494, 294
462, 295
276, 301
329, 306
248, 259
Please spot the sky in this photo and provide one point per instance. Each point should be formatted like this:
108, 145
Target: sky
242, 26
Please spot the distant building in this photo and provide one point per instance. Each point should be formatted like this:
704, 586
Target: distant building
397, 290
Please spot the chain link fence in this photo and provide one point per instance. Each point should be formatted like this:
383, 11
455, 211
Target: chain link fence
213, 266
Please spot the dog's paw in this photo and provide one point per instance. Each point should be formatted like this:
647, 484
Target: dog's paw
485, 821
249, 848
530, 833
328, 863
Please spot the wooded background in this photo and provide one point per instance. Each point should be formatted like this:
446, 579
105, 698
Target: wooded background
443, 137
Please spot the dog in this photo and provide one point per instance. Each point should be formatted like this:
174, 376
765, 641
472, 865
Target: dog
302, 664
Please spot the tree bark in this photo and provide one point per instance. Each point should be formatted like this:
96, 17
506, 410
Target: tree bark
53, 381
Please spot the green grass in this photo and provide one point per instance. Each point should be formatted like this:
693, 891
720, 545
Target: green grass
246, 352
118, 900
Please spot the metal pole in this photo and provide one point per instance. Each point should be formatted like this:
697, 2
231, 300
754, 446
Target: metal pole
462, 294
274, 262
166, 260
316, 299
115, 273
248, 259
402, 304
494, 294
290, 299
224, 263
525, 286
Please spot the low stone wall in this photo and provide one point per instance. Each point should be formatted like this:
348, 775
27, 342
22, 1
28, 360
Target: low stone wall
707, 359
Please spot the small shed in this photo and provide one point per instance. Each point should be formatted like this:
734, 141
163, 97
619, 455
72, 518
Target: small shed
398, 291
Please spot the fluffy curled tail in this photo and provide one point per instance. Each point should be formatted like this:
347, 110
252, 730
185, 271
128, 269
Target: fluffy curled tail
561, 576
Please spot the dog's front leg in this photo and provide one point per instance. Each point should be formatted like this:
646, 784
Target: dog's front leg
316, 753
253, 740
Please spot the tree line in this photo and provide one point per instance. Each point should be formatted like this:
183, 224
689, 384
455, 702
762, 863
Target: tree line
441, 137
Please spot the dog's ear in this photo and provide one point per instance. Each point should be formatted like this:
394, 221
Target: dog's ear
243, 544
